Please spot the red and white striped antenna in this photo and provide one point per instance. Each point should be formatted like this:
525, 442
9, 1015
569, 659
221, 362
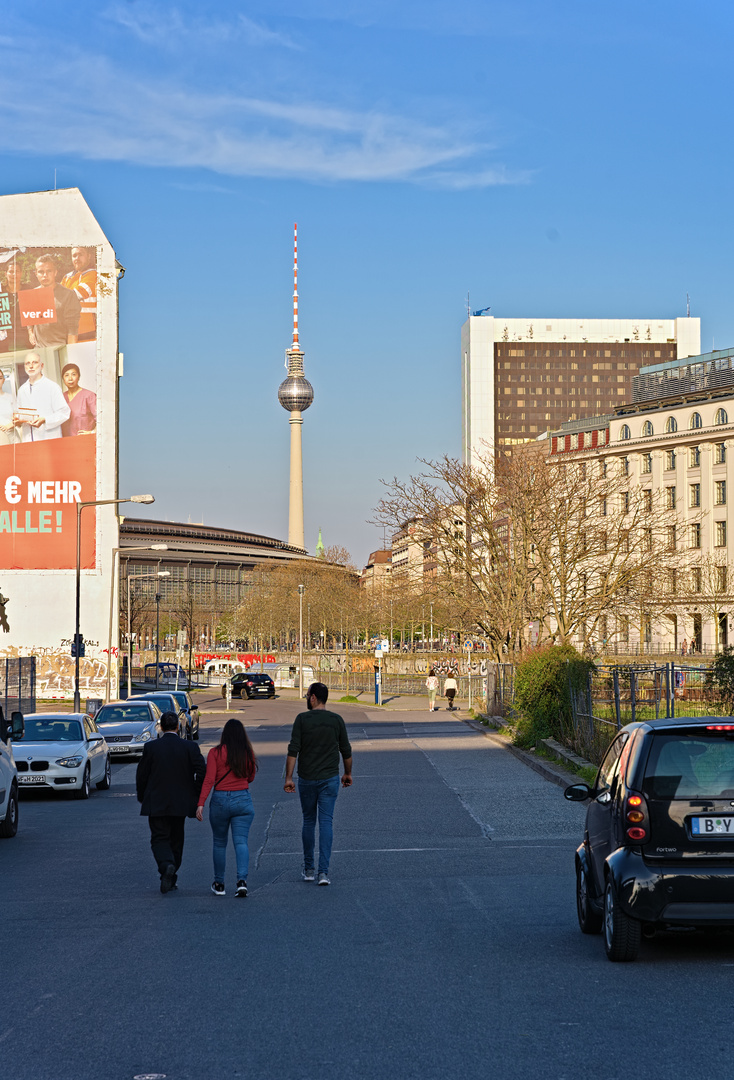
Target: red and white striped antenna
295, 287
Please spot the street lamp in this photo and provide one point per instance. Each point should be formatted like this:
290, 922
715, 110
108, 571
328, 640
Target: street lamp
77, 639
301, 591
115, 553
140, 577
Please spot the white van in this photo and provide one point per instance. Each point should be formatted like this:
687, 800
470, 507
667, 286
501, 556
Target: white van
9, 774
224, 667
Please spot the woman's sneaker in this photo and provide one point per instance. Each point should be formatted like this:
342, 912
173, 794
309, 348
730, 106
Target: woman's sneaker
218, 888
309, 875
241, 889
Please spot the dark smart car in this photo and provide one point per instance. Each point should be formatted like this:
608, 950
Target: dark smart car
255, 684
658, 848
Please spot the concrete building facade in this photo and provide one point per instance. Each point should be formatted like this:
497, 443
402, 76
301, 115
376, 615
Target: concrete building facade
524, 377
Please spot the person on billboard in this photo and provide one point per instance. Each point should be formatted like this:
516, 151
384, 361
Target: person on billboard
41, 408
7, 410
65, 328
83, 280
83, 404
13, 336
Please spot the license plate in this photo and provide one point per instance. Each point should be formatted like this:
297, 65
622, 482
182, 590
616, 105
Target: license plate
712, 826
31, 778
119, 749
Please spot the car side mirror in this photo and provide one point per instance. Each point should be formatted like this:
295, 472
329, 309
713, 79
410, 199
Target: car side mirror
17, 725
577, 793
96, 737
4, 728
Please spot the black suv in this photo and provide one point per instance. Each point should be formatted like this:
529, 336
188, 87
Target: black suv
658, 849
254, 684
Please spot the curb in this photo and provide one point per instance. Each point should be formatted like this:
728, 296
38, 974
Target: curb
556, 774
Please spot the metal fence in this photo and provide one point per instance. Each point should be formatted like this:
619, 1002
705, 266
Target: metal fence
18, 685
621, 694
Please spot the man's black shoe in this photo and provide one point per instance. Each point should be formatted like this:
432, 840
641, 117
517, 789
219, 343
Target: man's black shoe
168, 877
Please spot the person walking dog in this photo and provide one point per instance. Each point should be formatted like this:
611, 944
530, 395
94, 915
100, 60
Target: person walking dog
318, 737
168, 781
432, 687
230, 769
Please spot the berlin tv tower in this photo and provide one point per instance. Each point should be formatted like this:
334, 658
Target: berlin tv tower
295, 394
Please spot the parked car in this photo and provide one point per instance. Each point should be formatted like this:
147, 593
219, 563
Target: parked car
251, 683
186, 702
9, 774
62, 752
658, 848
171, 676
166, 702
128, 725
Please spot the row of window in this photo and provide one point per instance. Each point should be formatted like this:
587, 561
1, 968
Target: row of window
694, 534
671, 424
694, 495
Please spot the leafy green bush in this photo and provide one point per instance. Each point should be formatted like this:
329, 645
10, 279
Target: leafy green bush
542, 698
720, 677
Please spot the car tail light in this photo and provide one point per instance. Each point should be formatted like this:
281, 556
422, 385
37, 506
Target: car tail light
720, 727
636, 818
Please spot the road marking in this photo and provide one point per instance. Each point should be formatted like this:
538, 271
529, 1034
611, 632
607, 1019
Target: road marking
150, 1076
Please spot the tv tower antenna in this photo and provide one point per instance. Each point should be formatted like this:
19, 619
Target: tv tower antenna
688, 306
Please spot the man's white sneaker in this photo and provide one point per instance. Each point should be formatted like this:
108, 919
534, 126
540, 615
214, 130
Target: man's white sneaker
218, 888
309, 875
323, 878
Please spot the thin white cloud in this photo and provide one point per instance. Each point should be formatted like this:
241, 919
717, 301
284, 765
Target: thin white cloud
168, 28
156, 123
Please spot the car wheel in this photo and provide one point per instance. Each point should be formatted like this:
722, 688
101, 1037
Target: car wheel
104, 784
621, 933
9, 825
590, 921
83, 792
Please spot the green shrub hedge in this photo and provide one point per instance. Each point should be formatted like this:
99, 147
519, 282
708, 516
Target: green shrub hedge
542, 700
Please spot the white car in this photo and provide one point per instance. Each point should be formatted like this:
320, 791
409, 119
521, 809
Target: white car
63, 752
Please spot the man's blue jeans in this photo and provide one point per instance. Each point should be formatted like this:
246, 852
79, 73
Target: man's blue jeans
231, 809
318, 797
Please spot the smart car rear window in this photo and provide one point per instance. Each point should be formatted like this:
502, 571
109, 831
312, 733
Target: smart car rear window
699, 765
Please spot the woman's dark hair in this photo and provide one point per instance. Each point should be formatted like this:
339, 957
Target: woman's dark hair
240, 755
70, 367
432, 671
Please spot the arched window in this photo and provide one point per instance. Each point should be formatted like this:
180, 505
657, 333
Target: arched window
721, 417
671, 424
696, 421
624, 432
647, 429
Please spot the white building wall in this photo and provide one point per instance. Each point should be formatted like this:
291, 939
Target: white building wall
41, 603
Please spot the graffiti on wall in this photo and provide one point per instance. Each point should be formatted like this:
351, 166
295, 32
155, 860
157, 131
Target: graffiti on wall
55, 673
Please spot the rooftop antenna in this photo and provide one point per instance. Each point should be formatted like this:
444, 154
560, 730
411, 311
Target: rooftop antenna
688, 306
468, 306
295, 286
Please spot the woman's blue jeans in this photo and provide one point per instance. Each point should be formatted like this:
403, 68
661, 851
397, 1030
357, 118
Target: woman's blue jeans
231, 809
318, 797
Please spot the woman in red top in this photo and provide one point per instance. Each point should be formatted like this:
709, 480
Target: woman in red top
230, 768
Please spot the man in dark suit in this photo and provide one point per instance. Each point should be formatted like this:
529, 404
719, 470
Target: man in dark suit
168, 781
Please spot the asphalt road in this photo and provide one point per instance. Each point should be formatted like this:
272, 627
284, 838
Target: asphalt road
447, 945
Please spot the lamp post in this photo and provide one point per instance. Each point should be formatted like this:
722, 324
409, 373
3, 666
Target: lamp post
431, 627
141, 577
115, 555
77, 640
301, 591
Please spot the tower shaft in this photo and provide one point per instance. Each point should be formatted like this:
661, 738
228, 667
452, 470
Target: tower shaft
295, 502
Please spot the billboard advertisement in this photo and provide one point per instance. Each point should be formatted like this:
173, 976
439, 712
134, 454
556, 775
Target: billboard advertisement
58, 432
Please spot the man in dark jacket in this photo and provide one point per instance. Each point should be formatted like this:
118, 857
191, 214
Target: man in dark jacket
168, 781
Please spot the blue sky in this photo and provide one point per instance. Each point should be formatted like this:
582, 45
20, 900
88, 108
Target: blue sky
551, 158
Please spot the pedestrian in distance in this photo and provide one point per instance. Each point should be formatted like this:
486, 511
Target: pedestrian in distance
318, 737
432, 687
684, 647
449, 689
230, 769
168, 781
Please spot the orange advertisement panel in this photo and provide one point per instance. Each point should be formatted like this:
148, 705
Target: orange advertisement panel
40, 485
48, 405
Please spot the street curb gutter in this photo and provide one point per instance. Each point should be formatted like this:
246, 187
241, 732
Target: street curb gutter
555, 773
